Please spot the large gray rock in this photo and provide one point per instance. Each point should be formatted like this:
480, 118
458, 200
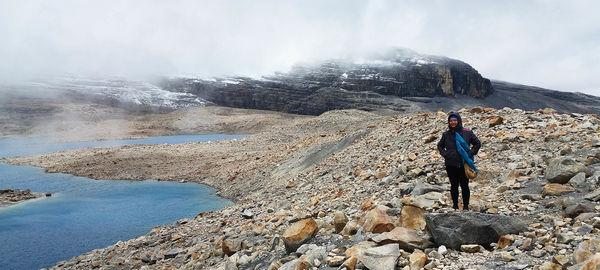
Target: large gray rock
579, 208
408, 239
424, 188
579, 181
560, 170
593, 196
381, 258
455, 229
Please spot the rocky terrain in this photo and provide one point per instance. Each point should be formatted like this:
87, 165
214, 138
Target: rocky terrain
81, 122
390, 80
394, 80
14, 196
356, 190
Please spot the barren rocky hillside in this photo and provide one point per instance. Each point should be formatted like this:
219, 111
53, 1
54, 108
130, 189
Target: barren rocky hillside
364, 191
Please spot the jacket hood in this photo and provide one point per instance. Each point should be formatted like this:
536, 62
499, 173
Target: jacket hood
454, 114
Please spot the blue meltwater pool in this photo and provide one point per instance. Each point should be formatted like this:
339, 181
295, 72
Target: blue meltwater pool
84, 214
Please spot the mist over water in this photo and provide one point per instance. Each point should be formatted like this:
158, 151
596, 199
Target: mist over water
552, 44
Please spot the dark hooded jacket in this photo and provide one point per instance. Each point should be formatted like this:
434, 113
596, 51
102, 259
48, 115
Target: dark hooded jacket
447, 144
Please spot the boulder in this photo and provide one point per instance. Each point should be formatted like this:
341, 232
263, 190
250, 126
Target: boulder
351, 228
495, 121
442, 250
380, 258
407, 239
593, 196
349, 264
592, 263
299, 233
231, 246
424, 188
556, 189
413, 217
578, 180
359, 248
505, 241
527, 244
335, 261
339, 221
471, 248
562, 260
247, 214
314, 255
296, 264
367, 204
505, 256
378, 221
560, 170
586, 249
427, 200
456, 229
579, 208
417, 260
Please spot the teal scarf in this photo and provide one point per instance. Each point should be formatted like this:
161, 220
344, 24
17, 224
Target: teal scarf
463, 150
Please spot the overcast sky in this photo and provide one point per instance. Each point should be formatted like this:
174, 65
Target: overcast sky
552, 44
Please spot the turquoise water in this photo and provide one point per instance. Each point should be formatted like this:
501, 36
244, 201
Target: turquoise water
85, 214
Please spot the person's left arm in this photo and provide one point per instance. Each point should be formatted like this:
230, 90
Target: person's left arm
476, 144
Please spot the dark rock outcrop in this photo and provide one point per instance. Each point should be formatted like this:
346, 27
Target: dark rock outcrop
456, 229
531, 98
397, 80
12, 196
382, 82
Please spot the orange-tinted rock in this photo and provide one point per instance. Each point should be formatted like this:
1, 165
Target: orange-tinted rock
378, 221
413, 217
299, 233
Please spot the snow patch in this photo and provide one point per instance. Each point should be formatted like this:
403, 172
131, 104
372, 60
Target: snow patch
139, 93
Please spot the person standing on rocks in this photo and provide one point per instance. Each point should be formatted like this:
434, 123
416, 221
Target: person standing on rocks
454, 161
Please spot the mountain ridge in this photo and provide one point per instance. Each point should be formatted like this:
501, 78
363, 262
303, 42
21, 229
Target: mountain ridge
398, 80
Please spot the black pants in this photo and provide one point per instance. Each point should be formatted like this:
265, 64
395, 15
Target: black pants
458, 177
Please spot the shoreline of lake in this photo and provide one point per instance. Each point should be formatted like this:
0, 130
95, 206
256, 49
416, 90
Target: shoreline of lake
93, 214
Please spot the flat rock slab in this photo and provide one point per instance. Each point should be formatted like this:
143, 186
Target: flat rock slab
456, 229
381, 258
406, 238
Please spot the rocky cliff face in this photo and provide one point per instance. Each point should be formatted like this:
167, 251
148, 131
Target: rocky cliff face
379, 82
397, 80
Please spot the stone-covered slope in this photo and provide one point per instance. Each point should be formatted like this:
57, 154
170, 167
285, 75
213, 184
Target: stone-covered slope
368, 194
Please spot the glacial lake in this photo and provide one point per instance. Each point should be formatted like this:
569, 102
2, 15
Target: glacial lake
84, 214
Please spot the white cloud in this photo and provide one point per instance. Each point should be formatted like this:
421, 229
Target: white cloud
553, 44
